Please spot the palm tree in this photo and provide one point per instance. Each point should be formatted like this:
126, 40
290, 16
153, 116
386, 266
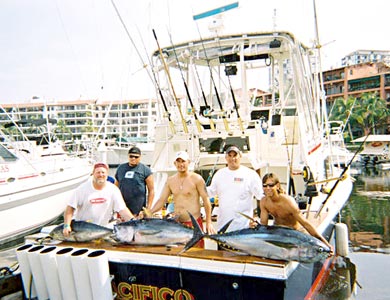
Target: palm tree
371, 112
368, 112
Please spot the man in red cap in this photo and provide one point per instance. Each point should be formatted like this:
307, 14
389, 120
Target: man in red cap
95, 201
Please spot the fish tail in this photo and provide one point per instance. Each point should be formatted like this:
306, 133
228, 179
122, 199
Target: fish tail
196, 237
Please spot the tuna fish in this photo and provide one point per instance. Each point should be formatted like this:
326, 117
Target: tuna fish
81, 232
157, 232
274, 242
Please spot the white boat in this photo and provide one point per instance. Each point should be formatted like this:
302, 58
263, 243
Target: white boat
341, 156
376, 149
35, 185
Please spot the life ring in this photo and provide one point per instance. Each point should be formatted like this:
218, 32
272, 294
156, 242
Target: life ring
376, 144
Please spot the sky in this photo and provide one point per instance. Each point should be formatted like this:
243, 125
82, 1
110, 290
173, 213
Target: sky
64, 50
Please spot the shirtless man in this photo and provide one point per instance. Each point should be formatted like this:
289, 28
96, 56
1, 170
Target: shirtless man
283, 208
186, 188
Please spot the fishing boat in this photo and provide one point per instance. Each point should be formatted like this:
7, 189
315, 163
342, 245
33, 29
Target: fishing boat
376, 151
36, 180
259, 92
341, 156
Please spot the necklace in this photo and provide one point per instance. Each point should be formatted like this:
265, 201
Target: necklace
181, 183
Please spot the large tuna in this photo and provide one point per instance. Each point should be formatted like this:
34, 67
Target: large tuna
274, 242
81, 232
157, 232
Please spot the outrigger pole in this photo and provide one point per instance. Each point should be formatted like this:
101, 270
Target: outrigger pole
185, 128
168, 114
154, 79
214, 85
198, 124
212, 126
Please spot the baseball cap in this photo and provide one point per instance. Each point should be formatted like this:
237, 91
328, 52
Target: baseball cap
100, 165
233, 148
135, 150
183, 155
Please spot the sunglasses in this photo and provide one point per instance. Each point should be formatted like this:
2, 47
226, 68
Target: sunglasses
270, 185
134, 156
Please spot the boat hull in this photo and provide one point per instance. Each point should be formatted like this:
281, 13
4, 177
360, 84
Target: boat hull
35, 192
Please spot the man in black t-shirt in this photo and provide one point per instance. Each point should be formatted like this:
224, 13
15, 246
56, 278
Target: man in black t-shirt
135, 181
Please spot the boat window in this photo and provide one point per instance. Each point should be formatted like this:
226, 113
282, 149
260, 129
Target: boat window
7, 155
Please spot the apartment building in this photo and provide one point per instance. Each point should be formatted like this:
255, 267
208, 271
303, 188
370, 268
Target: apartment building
85, 119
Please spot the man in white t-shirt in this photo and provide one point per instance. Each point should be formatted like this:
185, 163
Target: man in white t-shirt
236, 187
96, 201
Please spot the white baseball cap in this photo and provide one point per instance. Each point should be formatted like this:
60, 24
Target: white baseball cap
183, 155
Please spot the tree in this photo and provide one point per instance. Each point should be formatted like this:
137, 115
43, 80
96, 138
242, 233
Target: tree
371, 113
368, 112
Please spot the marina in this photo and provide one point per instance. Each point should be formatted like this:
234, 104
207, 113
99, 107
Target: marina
281, 131
259, 94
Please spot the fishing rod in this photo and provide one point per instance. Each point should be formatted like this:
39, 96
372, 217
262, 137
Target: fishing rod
342, 175
214, 85
168, 114
154, 79
232, 93
197, 122
170, 82
212, 125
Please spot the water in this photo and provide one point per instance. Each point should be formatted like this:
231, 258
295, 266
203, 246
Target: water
367, 215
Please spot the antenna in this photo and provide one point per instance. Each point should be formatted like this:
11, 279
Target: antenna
216, 25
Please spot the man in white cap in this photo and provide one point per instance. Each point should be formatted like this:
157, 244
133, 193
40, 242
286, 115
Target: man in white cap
186, 188
236, 187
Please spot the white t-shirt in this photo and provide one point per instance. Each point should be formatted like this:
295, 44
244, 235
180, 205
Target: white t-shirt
96, 206
235, 190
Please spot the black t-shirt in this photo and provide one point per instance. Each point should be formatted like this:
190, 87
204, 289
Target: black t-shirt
132, 185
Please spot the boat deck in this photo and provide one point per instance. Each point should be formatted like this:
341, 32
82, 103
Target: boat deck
198, 259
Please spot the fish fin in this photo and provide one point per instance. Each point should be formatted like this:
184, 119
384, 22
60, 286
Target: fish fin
196, 237
225, 227
250, 218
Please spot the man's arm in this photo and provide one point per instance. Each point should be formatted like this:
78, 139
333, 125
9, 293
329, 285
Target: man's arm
68, 214
150, 186
161, 201
126, 214
201, 187
263, 213
311, 229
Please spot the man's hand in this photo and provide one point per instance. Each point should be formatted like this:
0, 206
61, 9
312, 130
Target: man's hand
67, 230
145, 213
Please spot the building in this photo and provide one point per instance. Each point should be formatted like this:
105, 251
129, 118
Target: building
366, 56
85, 119
354, 80
362, 71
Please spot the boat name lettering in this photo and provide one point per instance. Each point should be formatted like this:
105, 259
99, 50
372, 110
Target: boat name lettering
4, 169
128, 291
